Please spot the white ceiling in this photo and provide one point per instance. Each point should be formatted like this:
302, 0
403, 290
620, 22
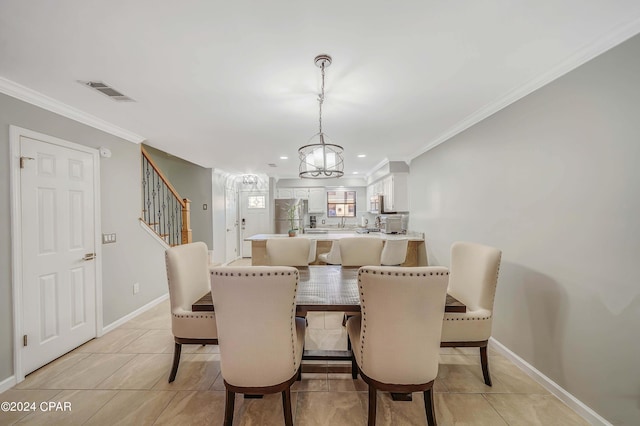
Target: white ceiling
232, 85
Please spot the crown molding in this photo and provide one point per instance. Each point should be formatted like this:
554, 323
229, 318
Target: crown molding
38, 99
598, 47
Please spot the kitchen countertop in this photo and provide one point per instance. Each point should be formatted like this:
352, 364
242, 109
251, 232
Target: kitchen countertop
411, 236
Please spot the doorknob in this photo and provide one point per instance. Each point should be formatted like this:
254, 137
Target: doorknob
89, 256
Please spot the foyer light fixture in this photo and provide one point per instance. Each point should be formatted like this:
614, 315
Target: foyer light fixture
319, 159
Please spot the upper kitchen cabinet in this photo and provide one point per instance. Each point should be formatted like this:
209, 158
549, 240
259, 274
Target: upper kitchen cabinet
302, 193
395, 191
317, 200
285, 193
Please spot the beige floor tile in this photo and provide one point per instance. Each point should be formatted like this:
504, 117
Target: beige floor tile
132, 407
21, 396
333, 320
111, 342
151, 342
311, 382
315, 320
509, 376
199, 349
330, 408
194, 408
543, 410
83, 404
142, 372
392, 413
44, 374
462, 373
195, 372
325, 339
344, 383
264, 411
465, 409
88, 372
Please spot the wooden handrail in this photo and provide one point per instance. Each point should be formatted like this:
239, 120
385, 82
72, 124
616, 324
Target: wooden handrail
163, 177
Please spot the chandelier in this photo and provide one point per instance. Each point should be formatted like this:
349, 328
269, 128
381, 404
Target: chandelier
319, 159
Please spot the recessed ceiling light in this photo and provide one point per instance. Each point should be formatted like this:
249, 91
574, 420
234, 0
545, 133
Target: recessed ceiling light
355, 173
362, 155
284, 157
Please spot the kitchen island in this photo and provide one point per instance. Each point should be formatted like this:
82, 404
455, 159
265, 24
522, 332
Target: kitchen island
416, 251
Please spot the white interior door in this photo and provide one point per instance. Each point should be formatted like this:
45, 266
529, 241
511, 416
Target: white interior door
58, 248
254, 217
231, 209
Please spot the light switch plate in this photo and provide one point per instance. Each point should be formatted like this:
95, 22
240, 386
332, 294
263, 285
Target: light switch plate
108, 238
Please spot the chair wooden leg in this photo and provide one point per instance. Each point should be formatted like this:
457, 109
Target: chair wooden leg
372, 406
228, 408
286, 407
354, 366
429, 408
484, 361
176, 360
299, 374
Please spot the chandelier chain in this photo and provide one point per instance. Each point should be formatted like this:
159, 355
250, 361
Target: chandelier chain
321, 100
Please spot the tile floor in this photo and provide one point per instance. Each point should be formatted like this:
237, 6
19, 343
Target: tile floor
121, 379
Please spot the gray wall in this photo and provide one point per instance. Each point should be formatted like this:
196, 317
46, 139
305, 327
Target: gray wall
192, 182
135, 257
553, 180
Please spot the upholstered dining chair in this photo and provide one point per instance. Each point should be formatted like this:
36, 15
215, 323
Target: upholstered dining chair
396, 340
188, 278
473, 279
333, 256
313, 248
288, 251
360, 251
261, 340
394, 252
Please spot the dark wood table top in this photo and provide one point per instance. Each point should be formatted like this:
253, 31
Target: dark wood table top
327, 288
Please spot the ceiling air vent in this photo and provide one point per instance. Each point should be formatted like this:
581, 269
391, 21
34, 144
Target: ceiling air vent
107, 90
273, 165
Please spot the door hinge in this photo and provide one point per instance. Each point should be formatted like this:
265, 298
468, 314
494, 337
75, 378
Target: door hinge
24, 340
22, 163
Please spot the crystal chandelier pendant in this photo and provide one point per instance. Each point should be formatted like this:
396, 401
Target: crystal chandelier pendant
319, 159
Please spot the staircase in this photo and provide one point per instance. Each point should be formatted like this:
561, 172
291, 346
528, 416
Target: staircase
163, 210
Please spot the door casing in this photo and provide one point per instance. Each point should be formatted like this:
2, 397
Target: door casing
15, 133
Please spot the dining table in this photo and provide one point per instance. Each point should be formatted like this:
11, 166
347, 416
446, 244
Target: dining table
329, 288
326, 288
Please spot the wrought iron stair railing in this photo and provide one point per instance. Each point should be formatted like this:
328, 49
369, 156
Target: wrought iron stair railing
163, 210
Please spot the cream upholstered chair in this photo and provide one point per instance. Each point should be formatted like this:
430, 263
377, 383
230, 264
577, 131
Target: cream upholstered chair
360, 251
261, 340
288, 251
313, 250
188, 277
333, 256
473, 279
396, 340
394, 252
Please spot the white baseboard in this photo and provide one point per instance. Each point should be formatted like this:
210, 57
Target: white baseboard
571, 401
7, 383
119, 322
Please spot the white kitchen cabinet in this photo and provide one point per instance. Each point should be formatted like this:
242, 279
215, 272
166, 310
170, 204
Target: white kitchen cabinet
395, 191
285, 193
302, 193
317, 200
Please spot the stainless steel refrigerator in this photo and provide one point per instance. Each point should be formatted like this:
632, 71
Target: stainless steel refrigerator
282, 217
